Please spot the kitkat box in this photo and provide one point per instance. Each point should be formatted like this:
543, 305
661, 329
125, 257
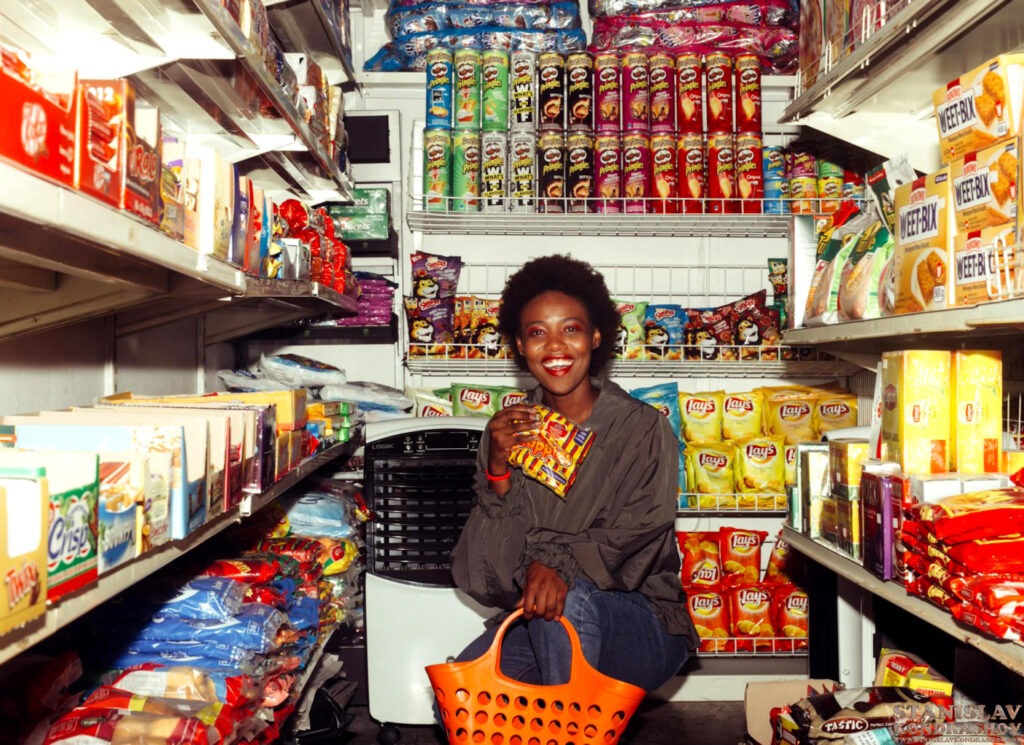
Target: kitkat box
37, 130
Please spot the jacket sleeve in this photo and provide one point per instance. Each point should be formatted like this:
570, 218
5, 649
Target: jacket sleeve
636, 486
489, 551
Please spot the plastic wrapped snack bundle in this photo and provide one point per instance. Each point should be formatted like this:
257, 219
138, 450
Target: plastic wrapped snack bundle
555, 452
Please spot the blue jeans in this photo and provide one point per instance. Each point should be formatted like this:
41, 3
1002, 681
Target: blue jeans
618, 631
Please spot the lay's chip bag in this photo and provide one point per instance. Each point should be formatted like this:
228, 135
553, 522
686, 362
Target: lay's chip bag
710, 615
761, 470
712, 469
834, 411
665, 398
483, 400
701, 415
555, 452
742, 415
791, 417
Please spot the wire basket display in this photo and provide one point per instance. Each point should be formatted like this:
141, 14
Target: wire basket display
480, 705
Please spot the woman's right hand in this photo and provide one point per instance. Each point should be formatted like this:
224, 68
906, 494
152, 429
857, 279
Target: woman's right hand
508, 428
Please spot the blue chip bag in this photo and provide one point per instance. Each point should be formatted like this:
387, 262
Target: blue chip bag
664, 331
319, 515
203, 598
665, 398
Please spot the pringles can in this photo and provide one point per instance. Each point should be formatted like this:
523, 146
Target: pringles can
494, 90
440, 88
636, 171
721, 174
579, 171
493, 171
662, 84
690, 158
803, 183
607, 91
749, 173
608, 172
774, 160
523, 90
522, 166
467, 88
664, 175
551, 90
579, 83
689, 94
718, 72
465, 170
551, 172
437, 163
830, 185
748, 93
636, 93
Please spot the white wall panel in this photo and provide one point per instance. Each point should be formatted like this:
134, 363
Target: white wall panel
161, 360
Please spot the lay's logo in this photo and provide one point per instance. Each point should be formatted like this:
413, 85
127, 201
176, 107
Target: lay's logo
511, 399
700, 407
761, 453
737, 405
706, 605
794, 411
753, 597
707, 573
474, 398
712, 461
744, 542
836, 409
796, 604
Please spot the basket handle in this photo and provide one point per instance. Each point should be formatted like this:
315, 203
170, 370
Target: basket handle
574, 642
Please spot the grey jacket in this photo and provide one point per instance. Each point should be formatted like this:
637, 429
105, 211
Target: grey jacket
616, 526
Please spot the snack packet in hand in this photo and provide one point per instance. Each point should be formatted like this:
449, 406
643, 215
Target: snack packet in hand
554, 453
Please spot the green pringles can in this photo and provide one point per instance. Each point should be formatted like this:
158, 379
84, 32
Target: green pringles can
467, 88
495, 90
466, 170
437, 164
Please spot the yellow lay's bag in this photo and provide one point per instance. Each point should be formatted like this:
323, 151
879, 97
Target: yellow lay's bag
761, 472
834, 411
742, 415
791, 417
701, 415
712, 465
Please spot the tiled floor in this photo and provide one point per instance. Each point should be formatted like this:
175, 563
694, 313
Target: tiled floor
655, 723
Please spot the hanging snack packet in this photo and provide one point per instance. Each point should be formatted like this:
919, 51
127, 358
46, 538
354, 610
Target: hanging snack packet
789, 613
629, 339
740, 551
665, 398
483, 400
781, 562
555, 453
710, 615
664, 331
428, 404
434, 276
431, 324
713, 481
701, 416
791, 417
761, 470
699, 557
742, 415
485, 342
750, 610
834, 411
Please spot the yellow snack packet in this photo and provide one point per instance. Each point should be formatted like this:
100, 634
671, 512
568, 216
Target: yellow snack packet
742, 415
791, 417
834, 411
701, 415
713, 474
554, 453
760, 468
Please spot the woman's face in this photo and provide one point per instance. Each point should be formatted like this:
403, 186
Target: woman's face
556, 338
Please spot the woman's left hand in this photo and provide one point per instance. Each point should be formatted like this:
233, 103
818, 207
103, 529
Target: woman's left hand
544, 594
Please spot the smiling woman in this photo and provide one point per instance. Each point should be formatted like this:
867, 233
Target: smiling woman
602, 553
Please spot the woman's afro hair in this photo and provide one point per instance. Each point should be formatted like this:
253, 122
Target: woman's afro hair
577, 279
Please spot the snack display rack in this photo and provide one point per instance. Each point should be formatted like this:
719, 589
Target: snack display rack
731, 505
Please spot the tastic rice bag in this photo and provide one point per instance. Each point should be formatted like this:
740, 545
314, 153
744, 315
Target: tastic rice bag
665, 398
713, 477
740, 551
555, 452
701, 416
750, 607
742, 415
982, 514
710, 615
700, 557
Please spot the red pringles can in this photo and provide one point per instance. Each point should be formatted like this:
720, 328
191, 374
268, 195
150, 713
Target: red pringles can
608, 172
551, 172
579, 77
692, 176
579, 171
551, 90
662, 83
748, 93
607, 91
636, 93
749, 172
664, 174
689, 94
718, 73
721, 165
636, 171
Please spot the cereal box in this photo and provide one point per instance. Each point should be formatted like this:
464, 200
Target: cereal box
848, 520
980, 107
983, 265
977, 411
985, 186
915, 410
23, 551
846, 460
924, 222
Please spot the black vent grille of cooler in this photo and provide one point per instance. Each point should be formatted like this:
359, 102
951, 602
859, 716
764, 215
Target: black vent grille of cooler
419, 503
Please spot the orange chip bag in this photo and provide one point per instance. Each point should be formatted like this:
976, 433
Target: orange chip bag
742, 415
710, 615
791, 417
740, 551
555, 452
834, 411
701, 414
781, 562
750, 613
789, 611
700, 559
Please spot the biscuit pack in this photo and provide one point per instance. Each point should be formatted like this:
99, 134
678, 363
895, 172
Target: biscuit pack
924, 233
984, 186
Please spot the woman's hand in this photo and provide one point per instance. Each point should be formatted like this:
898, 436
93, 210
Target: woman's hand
506, 429
544, 594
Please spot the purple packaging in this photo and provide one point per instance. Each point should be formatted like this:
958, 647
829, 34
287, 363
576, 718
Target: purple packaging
880, 528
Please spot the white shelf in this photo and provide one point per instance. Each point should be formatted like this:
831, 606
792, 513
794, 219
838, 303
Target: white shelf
74, 606
1008, 654
729, 505
305, 27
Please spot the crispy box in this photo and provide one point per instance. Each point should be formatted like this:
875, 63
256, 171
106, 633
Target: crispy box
916, 410
980, 107
23, 503
985, 189
984, 265
977, 415
924, 237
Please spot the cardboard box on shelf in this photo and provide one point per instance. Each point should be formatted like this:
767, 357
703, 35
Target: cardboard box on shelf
924, 240
846, 461
980, 107
23, 503
916, 410
812, 485
209, 187
761, 697
172, 181
848, 522
141, 144
977, 388
38, 131
985, 265
99, 155
880, 496
985, 190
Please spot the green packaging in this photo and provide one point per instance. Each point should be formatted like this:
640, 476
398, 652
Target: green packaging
495, 90
467, 88
466, 170
437, 163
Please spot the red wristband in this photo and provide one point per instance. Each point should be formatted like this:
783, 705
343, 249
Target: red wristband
504, 477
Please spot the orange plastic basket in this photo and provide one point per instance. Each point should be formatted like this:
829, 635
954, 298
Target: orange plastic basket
480, 706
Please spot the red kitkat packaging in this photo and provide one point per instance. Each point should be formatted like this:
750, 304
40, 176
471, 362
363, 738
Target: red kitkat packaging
140, 192
37, 131
99, 161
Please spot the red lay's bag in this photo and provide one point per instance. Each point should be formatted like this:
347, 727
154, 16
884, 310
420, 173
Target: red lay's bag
983, 514
740, 551
701, 564
781, 563
750, 611
710, 615
790, 615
